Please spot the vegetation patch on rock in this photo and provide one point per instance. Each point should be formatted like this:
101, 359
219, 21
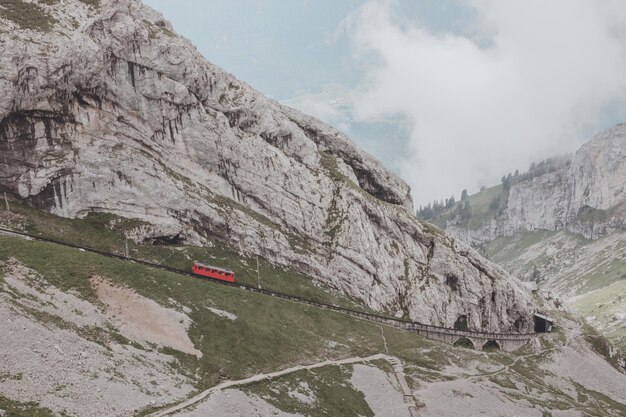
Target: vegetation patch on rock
26, 15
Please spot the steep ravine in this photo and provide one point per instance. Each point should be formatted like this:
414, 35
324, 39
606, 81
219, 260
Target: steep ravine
108, 110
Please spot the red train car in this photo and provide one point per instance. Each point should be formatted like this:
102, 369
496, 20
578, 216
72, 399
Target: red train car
213, 272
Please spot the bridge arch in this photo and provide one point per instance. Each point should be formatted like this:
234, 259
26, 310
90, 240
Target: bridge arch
491, 346
464, 342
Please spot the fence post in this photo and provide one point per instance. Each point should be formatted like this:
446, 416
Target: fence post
258, 273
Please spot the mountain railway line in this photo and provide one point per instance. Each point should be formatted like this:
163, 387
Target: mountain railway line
505, 341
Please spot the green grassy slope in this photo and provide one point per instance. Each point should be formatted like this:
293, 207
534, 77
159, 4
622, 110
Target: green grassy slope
508, 249
332, 383
269, 334
481, 202
18, 409
106, 232
603, 308
510, 379
590, 274
481, 205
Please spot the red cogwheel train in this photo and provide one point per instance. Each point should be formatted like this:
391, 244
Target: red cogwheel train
213, 272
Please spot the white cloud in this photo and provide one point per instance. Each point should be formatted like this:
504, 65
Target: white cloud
532, 79
332, 104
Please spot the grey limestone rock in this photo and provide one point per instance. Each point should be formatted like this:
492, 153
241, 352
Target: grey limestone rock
586, 196
110, 111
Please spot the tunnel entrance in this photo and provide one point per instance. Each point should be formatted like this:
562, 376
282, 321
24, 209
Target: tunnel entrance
461, 323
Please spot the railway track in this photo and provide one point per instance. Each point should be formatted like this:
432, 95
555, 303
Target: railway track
427, 330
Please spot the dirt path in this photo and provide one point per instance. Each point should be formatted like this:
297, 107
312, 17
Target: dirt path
508, 367
395, 363
409, 398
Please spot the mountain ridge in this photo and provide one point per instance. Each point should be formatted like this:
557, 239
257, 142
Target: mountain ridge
584, 193
128, 118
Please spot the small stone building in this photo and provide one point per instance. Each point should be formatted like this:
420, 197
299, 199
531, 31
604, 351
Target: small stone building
543, 323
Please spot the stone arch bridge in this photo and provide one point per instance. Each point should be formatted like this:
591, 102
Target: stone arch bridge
474, 339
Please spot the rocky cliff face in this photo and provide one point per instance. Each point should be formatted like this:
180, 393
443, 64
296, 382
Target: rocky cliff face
586, 196
105, 109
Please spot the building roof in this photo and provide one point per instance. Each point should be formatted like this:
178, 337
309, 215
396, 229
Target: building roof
544, 317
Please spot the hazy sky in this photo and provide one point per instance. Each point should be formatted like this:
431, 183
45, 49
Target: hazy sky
450, 94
